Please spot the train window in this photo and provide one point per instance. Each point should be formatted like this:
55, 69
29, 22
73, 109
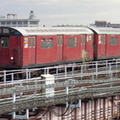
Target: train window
59, 40
15, 32
32, 42
46, 42
83, 39
4, 41
103, 39
72, 41
90, 39
113, 40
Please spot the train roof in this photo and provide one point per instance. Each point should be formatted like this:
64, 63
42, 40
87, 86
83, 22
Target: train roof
106, 30
52, 30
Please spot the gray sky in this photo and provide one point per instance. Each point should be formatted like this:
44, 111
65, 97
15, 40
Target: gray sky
58, 12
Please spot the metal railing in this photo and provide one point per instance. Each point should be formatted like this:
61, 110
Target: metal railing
69, 85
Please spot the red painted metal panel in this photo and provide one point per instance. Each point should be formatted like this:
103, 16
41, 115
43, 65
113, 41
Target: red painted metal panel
112, 49
89, 46
71, 52
4, 55
46, 55
59, 44
75, 52
11, 55
104, 49
100, 46
25, 47
32, 49
15, 49
29, 50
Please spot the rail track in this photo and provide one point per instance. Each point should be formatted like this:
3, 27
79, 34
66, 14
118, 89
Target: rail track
92, 66
71, 82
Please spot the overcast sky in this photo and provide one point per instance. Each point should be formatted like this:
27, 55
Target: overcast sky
58, 12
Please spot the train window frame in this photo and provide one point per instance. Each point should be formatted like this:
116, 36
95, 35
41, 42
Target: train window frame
103, 38
59, 40
32, 42
72, 41
83, 39
113, 40
46, 43
4, 42
90, 38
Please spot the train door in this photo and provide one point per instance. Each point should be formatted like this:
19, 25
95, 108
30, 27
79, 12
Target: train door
89, 46
83, 48
101, 46
32, 46
15, 50
112, 46
10, 50
4, 50
59, 47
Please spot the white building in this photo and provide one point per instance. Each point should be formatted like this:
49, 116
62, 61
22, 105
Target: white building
12, 21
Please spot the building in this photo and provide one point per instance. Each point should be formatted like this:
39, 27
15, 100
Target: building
12, 21
101, 23
105, 24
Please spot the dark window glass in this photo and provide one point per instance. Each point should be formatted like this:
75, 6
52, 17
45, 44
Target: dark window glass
14, 22
113, 40
33, 22
8, 23
46, 42
19, 22
4, 41
25, 22
2, 23
72, 41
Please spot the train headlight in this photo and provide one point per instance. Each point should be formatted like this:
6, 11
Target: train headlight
11, 58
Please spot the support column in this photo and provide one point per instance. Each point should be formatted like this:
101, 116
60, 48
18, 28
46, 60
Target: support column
104, 108
85, 112
75, 114
14, 115
95, 101
111, 106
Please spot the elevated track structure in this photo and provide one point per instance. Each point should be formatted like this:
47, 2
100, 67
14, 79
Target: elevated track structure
82, 89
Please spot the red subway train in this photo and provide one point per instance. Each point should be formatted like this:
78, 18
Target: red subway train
28, 47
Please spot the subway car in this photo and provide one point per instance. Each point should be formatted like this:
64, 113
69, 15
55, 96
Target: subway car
106, 43
28, 47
